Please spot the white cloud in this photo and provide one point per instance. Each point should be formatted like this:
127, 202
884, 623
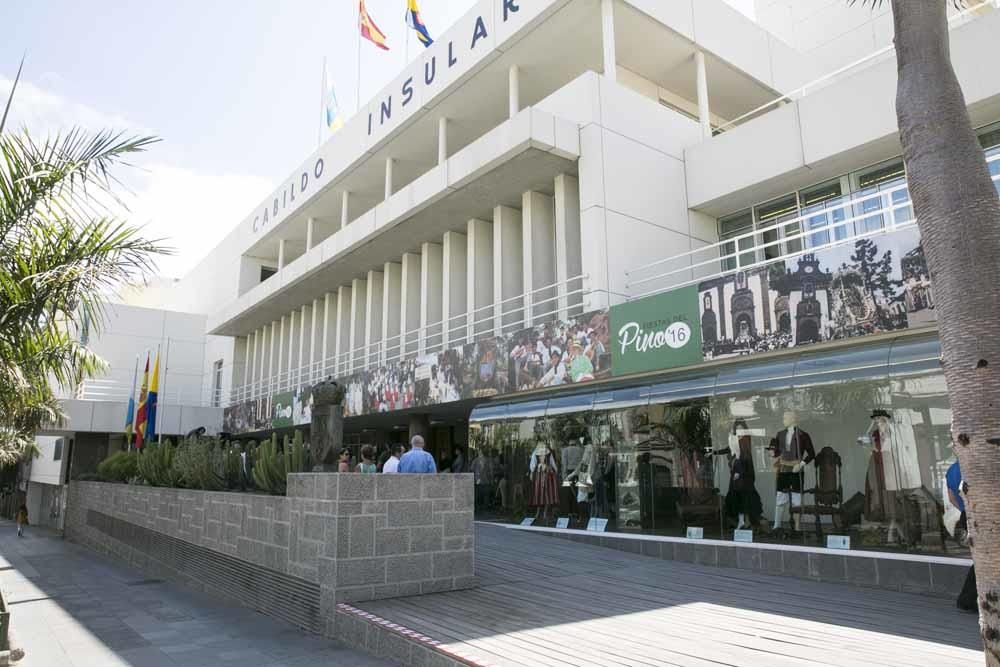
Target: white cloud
191, 209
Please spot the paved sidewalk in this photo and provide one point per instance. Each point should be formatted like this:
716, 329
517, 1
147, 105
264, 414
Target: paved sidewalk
71, 607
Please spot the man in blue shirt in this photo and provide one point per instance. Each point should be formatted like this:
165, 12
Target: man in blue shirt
417, 460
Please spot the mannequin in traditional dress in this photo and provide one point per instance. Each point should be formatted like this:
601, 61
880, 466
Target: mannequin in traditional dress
792, 449
583, 476
742, 499
544, 489
892, 469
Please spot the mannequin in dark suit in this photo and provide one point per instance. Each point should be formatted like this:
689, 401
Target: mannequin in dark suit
792, 449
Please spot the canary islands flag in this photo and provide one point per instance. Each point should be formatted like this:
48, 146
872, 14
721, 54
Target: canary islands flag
140, 415
369, 30
130, 415
151, 400
331, 109
414, 21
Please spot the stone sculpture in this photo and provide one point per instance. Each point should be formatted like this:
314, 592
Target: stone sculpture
327, 437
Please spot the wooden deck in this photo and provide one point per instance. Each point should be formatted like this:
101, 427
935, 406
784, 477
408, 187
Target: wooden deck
546, 601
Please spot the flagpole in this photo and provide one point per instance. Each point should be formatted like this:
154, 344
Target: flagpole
131, 397
159, 412
358, 27
322, 99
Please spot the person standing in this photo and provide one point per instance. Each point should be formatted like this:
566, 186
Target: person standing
344, 465
968, 598
458, 462
22, 519
417, 460
391, 464
367, 464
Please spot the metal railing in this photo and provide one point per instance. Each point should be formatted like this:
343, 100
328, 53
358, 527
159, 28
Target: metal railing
190, 393
560, 300
955, 20
838, 222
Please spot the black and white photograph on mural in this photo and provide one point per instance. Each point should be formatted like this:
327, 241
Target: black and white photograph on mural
439, 377
560, 352
302, 405
869, 286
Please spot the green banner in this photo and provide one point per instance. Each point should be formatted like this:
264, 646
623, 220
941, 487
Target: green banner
660, 331
281, 410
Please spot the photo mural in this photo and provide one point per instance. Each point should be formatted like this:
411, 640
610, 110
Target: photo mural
872, 285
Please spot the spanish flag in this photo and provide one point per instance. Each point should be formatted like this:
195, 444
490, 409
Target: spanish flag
368, 28
414, 21
151, 400
140, 415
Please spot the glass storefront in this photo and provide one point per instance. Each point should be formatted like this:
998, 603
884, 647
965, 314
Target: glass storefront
850, 442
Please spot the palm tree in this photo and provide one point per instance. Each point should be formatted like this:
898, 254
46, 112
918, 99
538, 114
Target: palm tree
62, 252
958, 214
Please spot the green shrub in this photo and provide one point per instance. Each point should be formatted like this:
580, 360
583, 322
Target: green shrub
156, 464
199, 464
118, 467
274, 464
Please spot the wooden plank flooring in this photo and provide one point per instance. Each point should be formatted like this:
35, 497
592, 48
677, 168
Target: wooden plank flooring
547, 601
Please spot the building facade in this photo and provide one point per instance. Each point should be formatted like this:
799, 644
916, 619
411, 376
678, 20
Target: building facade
648, 264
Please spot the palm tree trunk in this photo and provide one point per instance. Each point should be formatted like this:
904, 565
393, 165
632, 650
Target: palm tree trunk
958, 214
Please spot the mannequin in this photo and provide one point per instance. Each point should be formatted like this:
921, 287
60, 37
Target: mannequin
742, 499
583, 476
542, 471
792, 449
891, 470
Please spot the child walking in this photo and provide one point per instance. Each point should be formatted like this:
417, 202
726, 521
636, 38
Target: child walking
21, 519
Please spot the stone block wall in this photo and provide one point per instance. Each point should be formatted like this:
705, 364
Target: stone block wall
353, 537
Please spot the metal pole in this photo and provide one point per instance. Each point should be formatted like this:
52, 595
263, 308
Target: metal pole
159, 412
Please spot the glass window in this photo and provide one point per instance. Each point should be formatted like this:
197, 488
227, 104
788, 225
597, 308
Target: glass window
879, 210
57, 451
778, 219
731, 227
777, 373
911, 356
823, 208
266, 272
217, 384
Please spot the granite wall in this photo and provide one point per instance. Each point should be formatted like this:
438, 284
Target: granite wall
333, 538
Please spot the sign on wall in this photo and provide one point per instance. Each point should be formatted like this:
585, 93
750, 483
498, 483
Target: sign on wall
657, 332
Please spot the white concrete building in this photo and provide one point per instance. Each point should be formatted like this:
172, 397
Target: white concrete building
551, 170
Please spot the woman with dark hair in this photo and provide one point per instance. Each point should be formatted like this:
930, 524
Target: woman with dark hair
21, 519
367, 464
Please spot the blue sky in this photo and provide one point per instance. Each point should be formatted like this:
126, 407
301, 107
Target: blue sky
231, 86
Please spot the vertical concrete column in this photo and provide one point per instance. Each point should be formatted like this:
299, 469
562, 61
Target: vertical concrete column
302, 375
241, 372
373, 317
420, 425
479, 276
292, 349
259, 365
281, 354
508, 271
329, 332
310, 224
359, 294
704, 112
392, 299
343, 320
569, 253
389, 164
314, 333
514, 90
539, 240
281, 253
431, 257
454, 287
345, 208
608, 39
270, 358
252, 369
409, 306
442, 140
